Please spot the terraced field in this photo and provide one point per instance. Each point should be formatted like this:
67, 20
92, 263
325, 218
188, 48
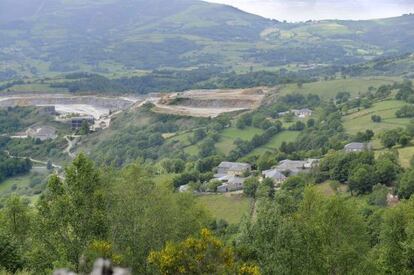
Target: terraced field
361, 121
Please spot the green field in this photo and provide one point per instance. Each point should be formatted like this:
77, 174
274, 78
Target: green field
329, 89
244, 134
227, 137
406, 154
24, 185
276, 141
20, 182
225, 145
230, 207
361, 121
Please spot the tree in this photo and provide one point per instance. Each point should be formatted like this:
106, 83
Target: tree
85, 128
395, 251
390, 138
310, 123
70, 215
362, 179
155, 215
298, 126
376, 119
266, 189
207, 148
405, 186
266, 124
410, 128
17, 218
378, 196
257, 120
386, 171
244, 121
198, 135
321, 236
404, 140
10, 257
405, 111
49, 165
266, 161
250, 187
203, 255
364, 137
293, 183
342, 97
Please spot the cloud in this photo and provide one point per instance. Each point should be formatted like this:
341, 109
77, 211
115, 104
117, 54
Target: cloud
301, 10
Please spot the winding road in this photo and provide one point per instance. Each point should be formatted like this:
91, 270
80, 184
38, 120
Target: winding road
33, 160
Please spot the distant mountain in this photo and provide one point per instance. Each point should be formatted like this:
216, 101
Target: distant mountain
45, 37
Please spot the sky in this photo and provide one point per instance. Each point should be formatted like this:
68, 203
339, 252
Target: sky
302, 10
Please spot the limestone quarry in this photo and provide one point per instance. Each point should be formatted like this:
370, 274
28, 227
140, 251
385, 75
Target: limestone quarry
210, 103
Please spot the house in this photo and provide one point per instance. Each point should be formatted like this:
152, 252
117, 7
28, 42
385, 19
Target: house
294, 167
232, 169
274, 175
231, 174
43, 133
357, 147
76, 122
302, 113
232, 183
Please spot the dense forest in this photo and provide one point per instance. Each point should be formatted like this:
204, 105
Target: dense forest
173, 81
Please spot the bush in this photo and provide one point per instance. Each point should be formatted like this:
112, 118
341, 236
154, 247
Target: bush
406, 111
376, 118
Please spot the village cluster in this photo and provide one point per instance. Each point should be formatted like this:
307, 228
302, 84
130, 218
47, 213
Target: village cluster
232, 175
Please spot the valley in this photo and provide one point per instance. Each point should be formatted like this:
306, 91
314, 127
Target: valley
187, 137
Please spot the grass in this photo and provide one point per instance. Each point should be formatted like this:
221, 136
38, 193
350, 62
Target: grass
406, 154
225, 145
327, 190
276, 141
22, 184
230, 207
192, 150
361, 121
244, 134
329, 89
226, 142
20, 181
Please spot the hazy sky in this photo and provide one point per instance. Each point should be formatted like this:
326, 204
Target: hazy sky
300, 10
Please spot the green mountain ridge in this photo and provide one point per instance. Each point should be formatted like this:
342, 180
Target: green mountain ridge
47, 37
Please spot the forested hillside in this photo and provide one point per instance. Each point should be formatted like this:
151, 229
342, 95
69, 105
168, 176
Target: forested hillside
41, 38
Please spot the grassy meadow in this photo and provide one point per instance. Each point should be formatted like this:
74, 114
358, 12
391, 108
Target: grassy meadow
361, 121
230, 207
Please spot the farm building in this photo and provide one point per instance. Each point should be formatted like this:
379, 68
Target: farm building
274, 175
294, 167
232, 169
301, 113
231, 183
357, 147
